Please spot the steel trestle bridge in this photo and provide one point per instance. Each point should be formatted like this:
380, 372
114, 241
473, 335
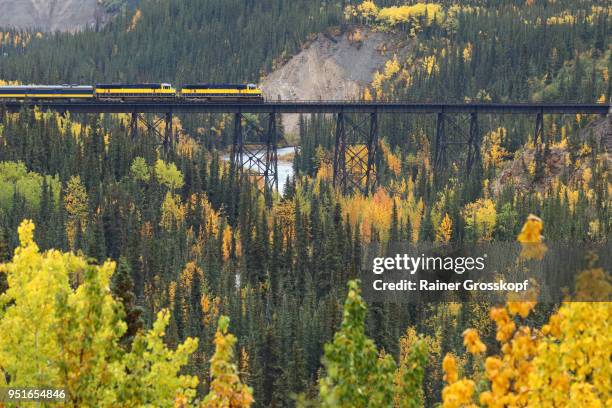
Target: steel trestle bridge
356, 131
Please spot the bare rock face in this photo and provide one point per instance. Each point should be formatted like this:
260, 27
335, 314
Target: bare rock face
329, 68
49, 15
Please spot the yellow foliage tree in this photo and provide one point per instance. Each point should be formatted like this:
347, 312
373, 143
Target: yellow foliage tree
467, 52
226, 389
55, 335
493, 154
227, 242
429, 64
458, 393
480, 218
403, 14
75, 203
392, 67
168, 175
531, 238
368, 9
414, 353
393, 161
566, 363
135, 19
369, 211
172, 212
444, 230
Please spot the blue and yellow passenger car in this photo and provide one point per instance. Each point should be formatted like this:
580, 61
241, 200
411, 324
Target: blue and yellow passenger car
46, 92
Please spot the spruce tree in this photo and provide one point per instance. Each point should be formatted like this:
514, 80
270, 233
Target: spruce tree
356, 375
122, 287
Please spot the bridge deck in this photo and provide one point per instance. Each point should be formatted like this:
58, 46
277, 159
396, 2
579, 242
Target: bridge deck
311, 107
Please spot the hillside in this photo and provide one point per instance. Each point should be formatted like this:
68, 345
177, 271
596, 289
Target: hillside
572, 163
50, 15
174, 41
331, 67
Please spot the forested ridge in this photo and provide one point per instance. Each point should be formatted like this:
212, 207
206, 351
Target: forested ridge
182, 42
223, 296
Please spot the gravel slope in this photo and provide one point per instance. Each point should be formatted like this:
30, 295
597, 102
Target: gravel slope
49, 15
331, 67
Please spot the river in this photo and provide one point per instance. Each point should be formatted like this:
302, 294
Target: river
285, 166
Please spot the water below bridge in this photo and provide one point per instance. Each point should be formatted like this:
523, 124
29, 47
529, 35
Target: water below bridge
285, 164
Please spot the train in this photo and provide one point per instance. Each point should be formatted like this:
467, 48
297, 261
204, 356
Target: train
134, 92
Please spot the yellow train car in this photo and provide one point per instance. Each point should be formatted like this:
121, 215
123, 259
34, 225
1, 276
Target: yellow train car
222, 92
46, 92
134, 91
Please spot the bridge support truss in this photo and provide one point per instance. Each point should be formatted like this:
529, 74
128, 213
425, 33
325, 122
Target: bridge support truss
540, 143
356, 143
254, 149
154, 127
453, 133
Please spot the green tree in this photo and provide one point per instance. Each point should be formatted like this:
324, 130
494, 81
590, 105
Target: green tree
411, 372
356, 375
140, 170
122, 286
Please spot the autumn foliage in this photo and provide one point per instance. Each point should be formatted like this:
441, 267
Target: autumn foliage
563, 363
227, 391
61, 326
